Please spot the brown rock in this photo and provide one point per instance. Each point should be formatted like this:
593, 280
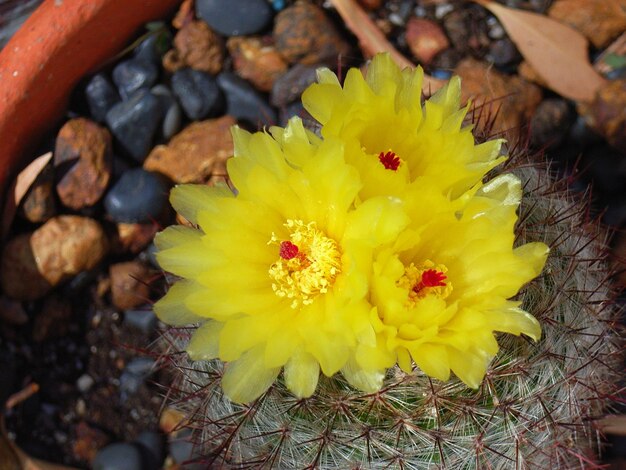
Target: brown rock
133, 238
184, 15
198, 47
171, 420
513, 98
88, 441
66, 245
303, 33
257, 62
19, 273
193, 154
425, 38
289, 86
371, 4
12, 312
607, 113
39, 203
83, 160
172, 61
527, 72
32, 264
53, 319
598, 20
129, 284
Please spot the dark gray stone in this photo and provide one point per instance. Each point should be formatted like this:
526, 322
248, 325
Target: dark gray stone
152, 447
172, 119
143, 320
134, 74
134, 123
244, 102
197, 93
153, 47
101, 96
503, 52
290, 85
551, 122
118, 456
235, 17
138, 196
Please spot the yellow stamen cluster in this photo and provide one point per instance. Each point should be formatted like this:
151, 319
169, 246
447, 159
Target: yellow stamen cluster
312, 271
412, 278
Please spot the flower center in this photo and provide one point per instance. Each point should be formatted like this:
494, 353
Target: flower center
428, 279
308, 263
389, 160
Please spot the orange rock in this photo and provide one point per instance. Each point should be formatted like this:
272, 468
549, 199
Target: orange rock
19, 274
171, 420
85, 147
600, 21
510, 99
426, 39
259, 63
129, 284
53, 319
198, 47
133, 238
607, 113
172, 61
193, 154
527, 72
184, 14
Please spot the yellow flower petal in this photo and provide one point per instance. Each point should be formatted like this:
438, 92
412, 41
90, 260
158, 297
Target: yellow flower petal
204, 344
189, 199
247, 378
301, 374
368, 381
172, 308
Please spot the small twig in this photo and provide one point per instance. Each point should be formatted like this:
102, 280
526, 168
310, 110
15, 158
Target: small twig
22, 395
372, 40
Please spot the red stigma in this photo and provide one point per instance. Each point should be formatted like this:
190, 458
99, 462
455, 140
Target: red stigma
288, 250
389, 160
430, 278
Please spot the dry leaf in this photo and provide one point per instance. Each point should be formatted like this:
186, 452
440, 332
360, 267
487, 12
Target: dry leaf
556, 52
613, 424
13, 458
20, 187
373, 41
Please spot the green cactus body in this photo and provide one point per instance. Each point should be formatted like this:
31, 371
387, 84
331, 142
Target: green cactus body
534, 410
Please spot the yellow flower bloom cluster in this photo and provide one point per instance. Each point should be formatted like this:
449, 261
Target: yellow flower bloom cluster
377, 244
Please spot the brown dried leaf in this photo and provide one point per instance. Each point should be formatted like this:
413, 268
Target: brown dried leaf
556, 52
20, 187
372, 40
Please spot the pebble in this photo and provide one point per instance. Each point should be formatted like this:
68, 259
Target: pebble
39, 204
289, 86
235, 17
467, 30
297, 109
84, 383
132, 238
148, 49
515, 98
138, 196
152, 447
244, 102
118, 456
101, 96
185, 14
495, 31
134, 123
88, 440
134, 376
551, 122
425, 39
83, 159
442, 9
304, 34
134, 74
447, 59
129, 284
197, 93
503, 52
141, 366
198, 47
171, 420
371, 4
607, 113
200, 150
181, 449
62, 247
171, 110
142, 320
600, 21
256, 61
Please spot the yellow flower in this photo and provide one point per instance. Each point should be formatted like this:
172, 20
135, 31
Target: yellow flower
394, 139
444, 286
278, 273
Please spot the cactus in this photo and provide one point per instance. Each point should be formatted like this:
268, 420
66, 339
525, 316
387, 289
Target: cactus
534, 409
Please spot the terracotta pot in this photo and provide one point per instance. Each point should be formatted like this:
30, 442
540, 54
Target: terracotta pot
62, 41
